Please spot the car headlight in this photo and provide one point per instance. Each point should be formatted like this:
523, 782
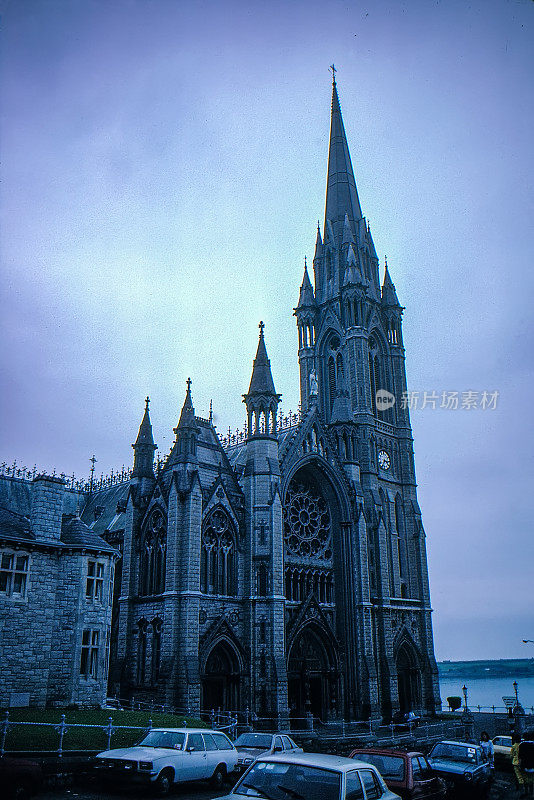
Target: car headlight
468, 775
145, 765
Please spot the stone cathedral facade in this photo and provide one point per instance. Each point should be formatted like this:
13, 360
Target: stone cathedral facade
285, 572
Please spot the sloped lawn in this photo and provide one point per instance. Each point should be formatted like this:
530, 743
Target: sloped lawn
45, 737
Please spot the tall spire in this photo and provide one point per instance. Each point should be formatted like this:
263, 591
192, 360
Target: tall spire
389, 295
261, 381
341, 192
188, 412
261, 399
144, 447
306, 297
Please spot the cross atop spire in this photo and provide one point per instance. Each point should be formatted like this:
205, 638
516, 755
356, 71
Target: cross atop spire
147, 402
261, 326
333, 70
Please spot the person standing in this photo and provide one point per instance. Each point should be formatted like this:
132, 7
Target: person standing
487, 748
516, 764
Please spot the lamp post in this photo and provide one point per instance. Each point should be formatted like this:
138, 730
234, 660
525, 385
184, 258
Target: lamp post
516, 686
467, 718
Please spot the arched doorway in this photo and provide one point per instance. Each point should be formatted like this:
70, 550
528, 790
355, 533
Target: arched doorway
408, 678
312, 676
221, 678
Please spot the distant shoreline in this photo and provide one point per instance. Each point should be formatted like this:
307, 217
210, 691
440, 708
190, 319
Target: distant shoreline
501, 668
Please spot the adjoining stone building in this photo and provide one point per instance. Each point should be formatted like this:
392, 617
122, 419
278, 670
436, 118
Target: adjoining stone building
56, 586
284, 570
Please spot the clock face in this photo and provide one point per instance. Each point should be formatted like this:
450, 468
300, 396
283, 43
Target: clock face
384, 461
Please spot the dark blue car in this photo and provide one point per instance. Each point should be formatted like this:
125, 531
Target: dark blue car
463, 765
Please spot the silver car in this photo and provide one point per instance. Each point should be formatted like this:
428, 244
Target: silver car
251, 746
311, 776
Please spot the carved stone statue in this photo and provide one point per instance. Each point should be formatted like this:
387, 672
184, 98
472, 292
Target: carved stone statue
314, 387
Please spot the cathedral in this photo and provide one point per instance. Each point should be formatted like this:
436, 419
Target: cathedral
282, 571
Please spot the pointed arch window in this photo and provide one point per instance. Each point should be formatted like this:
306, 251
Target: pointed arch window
332, 380
153, 555
218, 555
142, 626
157, 626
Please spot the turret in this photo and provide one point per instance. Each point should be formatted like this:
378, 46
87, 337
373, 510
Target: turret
261, 399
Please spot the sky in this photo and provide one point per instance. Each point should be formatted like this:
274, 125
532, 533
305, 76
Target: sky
163, 171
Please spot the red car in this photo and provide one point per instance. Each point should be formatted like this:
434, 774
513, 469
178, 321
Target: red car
408, 774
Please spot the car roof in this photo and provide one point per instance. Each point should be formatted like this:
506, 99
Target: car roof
337, 763
184, 730
455, 741
386, 751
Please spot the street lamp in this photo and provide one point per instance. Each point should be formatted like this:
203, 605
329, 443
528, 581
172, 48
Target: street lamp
516, 686
527, 641
464, 690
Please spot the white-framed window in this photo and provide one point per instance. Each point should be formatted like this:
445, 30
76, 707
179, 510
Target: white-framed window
94, 585
14, 569
90, 652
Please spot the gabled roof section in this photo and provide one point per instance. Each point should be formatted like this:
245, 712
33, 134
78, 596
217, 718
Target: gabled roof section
341, 192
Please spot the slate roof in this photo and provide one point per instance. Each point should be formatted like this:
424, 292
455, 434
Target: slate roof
76, 533
15, 526
100, 511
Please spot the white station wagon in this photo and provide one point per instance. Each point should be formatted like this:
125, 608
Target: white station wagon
311, 776
171, 755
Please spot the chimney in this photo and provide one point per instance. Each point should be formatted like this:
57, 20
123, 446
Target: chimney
47, 507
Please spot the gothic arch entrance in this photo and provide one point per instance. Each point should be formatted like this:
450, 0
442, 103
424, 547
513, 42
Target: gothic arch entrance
313, 679
408, 678
221, 679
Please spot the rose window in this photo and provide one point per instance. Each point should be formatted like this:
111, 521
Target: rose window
307, 524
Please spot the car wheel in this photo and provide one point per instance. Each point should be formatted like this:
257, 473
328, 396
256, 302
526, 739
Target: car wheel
219, 776
164, 782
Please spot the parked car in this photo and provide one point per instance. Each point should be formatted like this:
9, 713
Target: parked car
407, 773
251, 746
171, 755
112, 704
311, 776
461, 764
405, 720
19, 777
502, 747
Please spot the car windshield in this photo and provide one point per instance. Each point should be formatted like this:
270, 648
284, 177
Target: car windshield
455, 752
174, 740
390, 767
279, 781
261, 741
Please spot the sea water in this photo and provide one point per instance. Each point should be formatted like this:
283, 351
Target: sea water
488, 692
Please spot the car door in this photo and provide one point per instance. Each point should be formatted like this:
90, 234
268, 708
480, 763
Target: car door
290, 746
353, 786
212, 753
425, 783
195, 758
371, 784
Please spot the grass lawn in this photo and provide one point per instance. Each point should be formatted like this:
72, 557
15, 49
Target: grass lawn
45, 737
